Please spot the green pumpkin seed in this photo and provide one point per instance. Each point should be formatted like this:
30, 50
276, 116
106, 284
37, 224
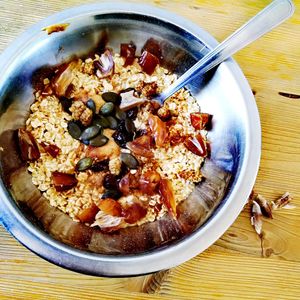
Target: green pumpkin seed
83, 164
74, 130
111, 97
107, 108
120, 114
91, 105
111, 194
90, 132
99, 141
101, 121
129, 125
113, 123
129, 160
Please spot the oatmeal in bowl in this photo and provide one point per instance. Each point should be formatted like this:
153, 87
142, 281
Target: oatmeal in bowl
103, 151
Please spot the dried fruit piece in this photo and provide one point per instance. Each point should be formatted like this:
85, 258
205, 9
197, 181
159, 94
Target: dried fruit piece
99, 166
128, 52
114, 194
134, 213
110, 181
110, 207
87, 215
148, 62
159, 130
148, 183
128, 183
63, 181
55, 28
153, 46
141, 146
28, 146
105, 65
52, 149
256, 218
264, 205
166, 192
201, 120
196, 145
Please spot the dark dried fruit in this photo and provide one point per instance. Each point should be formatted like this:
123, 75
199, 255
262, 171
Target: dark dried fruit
121, 135
111, 97
88, 214
107, 108
74, 130
196, 145
100, 166
91, 105
83, 164
113, 123
53, 150
129, 125
129, 160
99, 141
159, 130
110, 182
134, 213
110, 207
200, 120
63, 181
128, 184
113, 194
141, 146
90, 132
65, 103
153, 47
28, 146
128, 52
148, 62
120, 114
132, 113
101, 121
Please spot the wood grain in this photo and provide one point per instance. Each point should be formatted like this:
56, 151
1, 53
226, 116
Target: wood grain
238, 265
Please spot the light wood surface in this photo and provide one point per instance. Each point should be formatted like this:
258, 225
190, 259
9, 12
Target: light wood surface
239, 264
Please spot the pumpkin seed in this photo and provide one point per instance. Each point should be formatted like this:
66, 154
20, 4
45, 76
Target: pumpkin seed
129, 160
120, 114
129, 125
101, 121
113, 123
91, 105
107, 108
111, 194
111, 97
99, 141
74, 130
83, 164
90, 132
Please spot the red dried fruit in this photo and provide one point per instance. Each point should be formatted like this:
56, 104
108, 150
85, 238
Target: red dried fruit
52, 149
159, 130
196, 145
153, 47
166, 192
105, 65
148, 62
148, 182
141, 146
128, 52
28, 146
110, 207
134, 213
63, 181
128, 183
88, 214
201, 120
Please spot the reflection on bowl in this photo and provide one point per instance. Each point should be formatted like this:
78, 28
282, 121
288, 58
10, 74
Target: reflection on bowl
203, 217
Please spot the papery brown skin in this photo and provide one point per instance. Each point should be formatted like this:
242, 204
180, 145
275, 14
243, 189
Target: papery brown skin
256, 218
28, 146
264, 205
63, 181
282, 201
88, 214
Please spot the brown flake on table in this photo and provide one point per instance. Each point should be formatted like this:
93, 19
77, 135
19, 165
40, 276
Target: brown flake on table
256, 217
55, 28
265, 205
289, 95
283, 202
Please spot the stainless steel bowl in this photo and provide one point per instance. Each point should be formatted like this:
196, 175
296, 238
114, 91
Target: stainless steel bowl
216, 202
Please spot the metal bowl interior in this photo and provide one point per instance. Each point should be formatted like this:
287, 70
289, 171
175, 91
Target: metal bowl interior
205, 215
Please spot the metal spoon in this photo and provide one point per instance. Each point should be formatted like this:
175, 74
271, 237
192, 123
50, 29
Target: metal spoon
271, 16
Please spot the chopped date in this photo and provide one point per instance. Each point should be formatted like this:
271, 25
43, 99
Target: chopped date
148, 62
28, 146
134, 213
141, 146
153, 46
148, 182
110, 207
167, 195
201, 120
128, 52
196, 145
88, 214
128, 183
52, 149
63, 181
159, 130
99, 166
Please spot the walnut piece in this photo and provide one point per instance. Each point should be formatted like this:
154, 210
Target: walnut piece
81, 113
147, 89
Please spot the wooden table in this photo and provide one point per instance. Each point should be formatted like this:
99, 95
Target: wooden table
238, 265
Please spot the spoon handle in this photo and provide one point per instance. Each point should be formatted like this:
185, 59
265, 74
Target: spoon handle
271, 16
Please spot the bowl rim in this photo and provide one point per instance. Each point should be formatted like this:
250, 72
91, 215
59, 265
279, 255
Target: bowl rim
106, 265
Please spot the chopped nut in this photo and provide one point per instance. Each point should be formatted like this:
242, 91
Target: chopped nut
81, 112
147, 89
